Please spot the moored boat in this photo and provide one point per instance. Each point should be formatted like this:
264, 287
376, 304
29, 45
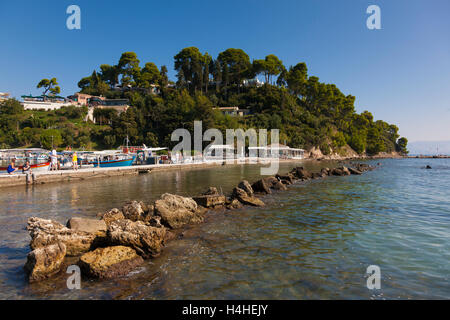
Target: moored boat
35, 167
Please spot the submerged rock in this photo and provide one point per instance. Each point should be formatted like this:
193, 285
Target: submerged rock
45, 232
146, 240
109, 262
44, 262
87, 225
176, 211
244, 198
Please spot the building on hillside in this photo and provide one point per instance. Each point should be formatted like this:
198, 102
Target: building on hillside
233, 111
4, 96
252, 83
278, 150
120, 105
44, 102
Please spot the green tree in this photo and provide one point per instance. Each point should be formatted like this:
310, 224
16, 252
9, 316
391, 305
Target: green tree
149, 75
296, 79
11, 107
189, 64
110, 74
51, 138
49, 86
236, 63
401, 145
129, 68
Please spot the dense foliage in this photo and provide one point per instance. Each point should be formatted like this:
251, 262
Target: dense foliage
307, 112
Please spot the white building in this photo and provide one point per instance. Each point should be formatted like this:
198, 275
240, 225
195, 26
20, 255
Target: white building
44, 105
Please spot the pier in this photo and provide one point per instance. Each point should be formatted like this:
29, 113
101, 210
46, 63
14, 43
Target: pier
43, 177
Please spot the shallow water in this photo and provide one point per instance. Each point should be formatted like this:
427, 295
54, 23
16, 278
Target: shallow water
313, 241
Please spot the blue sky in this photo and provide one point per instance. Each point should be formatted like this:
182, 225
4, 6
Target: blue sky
400, 73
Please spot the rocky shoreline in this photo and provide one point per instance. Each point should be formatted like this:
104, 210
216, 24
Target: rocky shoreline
119, 240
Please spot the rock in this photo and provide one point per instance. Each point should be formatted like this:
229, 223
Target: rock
109, 262
87, 225
261, 186
234, 204
341, 171
301, 173
363, 167
137, 211
146, 240
286, 182
354, 171
212, 191
45, 232
279, 186
325, 172
44, 262
288, 177
270, 181
244, 198
155, 221
346, 171
244, 185
316, 175
210, 201
428, 167
112, 215
176, 211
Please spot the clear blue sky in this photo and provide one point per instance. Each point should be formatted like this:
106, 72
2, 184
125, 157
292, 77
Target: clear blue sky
400, 73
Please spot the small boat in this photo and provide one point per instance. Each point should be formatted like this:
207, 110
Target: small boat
114, 163
111, 158
35, 167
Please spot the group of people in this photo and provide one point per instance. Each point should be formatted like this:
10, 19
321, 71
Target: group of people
56, 165
26, 169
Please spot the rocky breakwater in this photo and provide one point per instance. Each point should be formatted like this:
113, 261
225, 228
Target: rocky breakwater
120, 240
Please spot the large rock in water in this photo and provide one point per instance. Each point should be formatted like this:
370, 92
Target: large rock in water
176, 211
212, 191
87, 225
45, 232
261, 186
301, 173
278, 186
244, 185
146, 240
287, 177
244, 198
42, 263
234, 204
109, 262
137, 211
354, 171
210, 201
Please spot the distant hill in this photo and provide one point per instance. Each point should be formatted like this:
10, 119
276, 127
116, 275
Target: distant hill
429, 147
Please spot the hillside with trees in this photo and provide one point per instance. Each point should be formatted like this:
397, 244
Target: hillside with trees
308, 113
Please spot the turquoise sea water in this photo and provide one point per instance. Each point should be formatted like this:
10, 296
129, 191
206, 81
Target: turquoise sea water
314, 241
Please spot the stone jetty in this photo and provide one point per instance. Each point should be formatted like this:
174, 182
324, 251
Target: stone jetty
120, 239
